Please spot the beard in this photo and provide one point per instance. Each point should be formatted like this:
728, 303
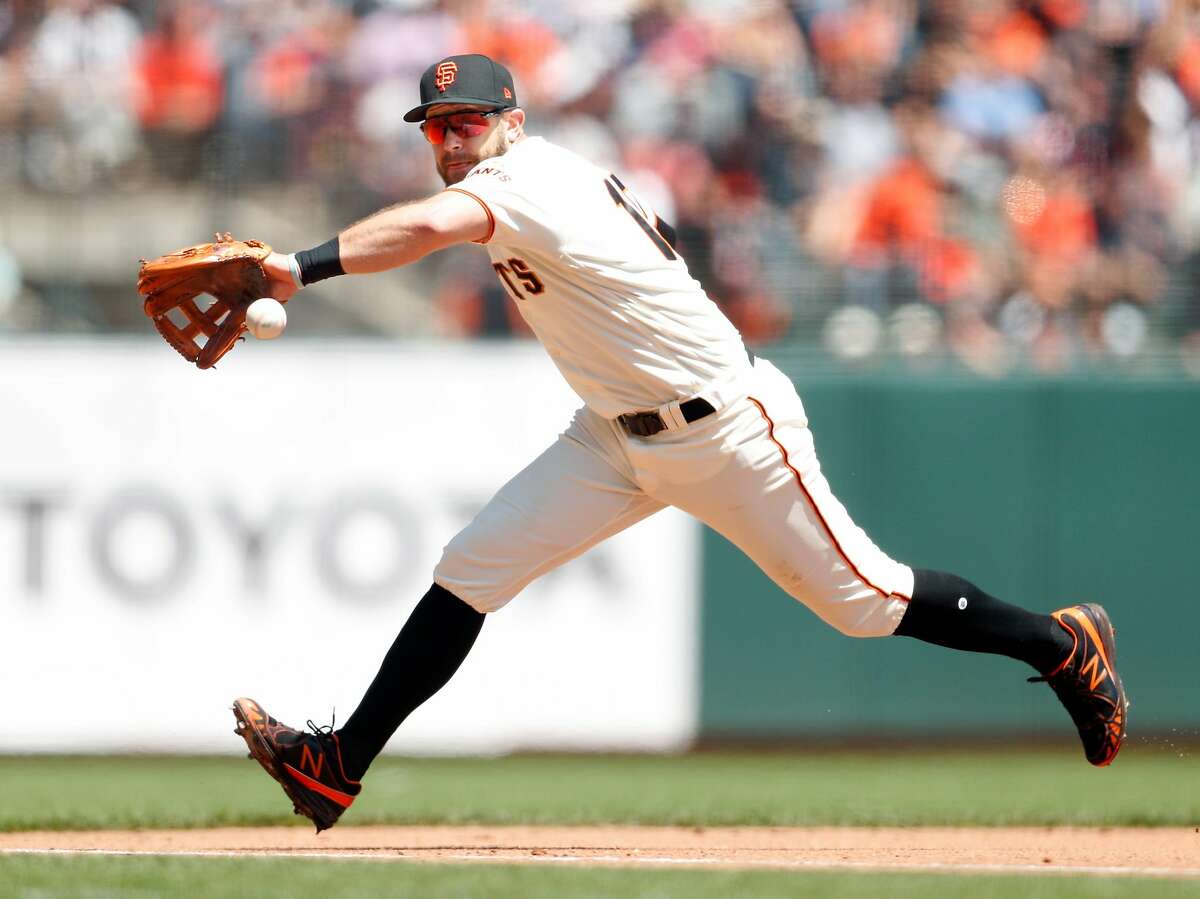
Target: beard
502, 145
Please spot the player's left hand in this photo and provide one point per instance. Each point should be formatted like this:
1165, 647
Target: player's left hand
231, 271
280, 283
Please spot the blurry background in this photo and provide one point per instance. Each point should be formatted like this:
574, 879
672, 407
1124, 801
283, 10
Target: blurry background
969, 230
1012, 184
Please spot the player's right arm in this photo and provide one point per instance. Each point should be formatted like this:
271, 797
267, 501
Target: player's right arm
402, 234
391, 238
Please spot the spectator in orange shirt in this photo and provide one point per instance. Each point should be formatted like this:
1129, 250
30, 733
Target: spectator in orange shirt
904, 220
180, 88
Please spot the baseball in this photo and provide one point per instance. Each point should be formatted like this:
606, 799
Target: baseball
265, 318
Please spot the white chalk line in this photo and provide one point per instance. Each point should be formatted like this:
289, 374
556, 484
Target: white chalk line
638, 860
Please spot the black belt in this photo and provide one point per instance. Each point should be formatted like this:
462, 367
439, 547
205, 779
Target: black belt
647, 424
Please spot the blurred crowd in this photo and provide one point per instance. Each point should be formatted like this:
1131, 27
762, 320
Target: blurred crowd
1013, 183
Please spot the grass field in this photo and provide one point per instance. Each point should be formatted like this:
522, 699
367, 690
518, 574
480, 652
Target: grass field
94, 878
990, 788
1147, 787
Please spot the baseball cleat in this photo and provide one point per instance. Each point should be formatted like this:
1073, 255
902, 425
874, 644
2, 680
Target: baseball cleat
1087, 683
307, 765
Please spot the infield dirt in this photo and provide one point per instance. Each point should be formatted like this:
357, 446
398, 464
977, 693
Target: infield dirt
1171, 852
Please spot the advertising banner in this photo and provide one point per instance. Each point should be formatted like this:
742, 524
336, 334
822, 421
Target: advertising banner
171, 539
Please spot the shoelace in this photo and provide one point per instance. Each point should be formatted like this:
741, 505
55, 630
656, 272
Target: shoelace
323, 730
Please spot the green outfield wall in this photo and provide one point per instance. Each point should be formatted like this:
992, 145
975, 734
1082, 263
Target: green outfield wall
1043, 492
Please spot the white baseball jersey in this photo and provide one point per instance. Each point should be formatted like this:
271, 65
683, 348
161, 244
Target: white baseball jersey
630, 330
611, 301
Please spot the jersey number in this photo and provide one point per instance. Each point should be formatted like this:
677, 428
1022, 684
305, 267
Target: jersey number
523, 273
621, 197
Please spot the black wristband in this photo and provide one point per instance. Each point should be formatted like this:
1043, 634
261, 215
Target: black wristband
320, 262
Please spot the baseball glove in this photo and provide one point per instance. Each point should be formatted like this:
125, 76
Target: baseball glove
230, 271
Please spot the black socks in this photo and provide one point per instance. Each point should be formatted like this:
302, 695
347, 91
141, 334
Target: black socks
945, 609
432, 644
949, 611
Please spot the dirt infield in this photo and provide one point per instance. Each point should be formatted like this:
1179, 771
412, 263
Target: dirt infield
1167, 852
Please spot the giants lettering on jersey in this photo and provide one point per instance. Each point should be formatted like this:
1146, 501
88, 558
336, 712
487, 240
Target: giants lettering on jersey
491, 170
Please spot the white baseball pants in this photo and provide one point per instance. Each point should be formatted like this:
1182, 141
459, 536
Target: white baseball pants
749, 471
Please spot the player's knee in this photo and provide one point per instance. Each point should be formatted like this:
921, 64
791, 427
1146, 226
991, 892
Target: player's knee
483, 572
860, 617
479, 586
865, 629
484, 605
479, 596
456, 595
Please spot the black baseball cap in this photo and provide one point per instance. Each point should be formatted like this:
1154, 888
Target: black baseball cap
470, 78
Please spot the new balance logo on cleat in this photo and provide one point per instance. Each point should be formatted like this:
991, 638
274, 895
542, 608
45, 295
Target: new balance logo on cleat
1094, 672
308, 765
1087, 682
312, 763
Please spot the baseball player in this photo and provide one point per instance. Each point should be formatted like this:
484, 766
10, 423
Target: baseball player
675, 412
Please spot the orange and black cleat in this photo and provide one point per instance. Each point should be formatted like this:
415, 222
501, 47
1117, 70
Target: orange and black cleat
1087, 682
307, 765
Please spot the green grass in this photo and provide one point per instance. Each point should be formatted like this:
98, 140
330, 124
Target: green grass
140, 878
1147, 786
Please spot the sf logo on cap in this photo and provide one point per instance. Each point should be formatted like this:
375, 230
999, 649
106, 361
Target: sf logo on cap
445, 75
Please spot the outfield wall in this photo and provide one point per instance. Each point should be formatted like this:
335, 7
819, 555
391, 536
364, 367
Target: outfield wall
171, 539
1045, 492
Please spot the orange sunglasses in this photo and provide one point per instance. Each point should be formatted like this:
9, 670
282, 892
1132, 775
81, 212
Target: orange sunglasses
464, 124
